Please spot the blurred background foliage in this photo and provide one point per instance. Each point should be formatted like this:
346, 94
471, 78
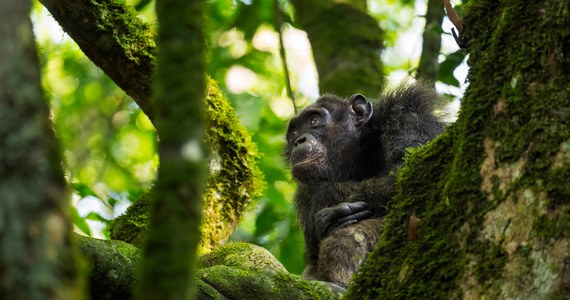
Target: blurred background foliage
109, 145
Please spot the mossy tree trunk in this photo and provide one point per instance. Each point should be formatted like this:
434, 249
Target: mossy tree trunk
492, 193
169, 253
36, 257
346, 43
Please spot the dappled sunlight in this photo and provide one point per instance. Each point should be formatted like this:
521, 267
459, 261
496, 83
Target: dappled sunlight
240, 79
282, 106
234, 40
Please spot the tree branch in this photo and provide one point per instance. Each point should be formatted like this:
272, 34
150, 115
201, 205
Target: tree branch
168, 265
115, 39
36, 258
431, 46
113, 267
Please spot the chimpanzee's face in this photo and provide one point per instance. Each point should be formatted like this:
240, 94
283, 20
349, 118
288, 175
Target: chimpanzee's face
324, 137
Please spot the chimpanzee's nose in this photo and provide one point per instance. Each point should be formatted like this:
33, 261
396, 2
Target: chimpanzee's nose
301, 140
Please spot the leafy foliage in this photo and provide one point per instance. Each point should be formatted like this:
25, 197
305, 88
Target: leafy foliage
109, 144
446, 68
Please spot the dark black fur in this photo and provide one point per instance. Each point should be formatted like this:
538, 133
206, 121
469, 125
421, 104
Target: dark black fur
343, 162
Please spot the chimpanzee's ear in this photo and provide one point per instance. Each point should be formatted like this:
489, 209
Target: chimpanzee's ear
362, 109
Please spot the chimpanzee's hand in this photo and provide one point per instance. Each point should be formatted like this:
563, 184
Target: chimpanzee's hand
340, 215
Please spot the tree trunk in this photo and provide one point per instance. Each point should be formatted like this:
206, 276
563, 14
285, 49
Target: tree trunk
492, 193
37, 260
346, 43
431, 45
169, 254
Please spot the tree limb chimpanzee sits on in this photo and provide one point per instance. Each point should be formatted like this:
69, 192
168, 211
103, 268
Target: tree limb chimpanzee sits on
342, 155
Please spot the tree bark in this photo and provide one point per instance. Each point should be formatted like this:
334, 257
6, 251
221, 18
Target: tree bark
37, 260
234, 271
493, 192
431, 45
113, 267
169, 254
346, 43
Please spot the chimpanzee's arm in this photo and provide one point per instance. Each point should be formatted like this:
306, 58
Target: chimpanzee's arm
325, 206
352, 201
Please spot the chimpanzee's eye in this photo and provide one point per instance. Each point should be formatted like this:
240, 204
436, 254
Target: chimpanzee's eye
293, 134
314, 121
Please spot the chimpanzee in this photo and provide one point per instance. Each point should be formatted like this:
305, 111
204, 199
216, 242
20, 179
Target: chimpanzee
343, 154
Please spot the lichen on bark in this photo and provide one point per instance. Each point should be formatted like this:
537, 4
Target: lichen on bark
493, 191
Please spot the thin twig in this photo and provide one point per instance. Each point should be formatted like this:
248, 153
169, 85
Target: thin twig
279, 26
453, 17
457, 22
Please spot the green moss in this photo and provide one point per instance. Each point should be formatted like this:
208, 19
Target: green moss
557, 186
113, 267
242, 255
510, 135
436, 255
235, 283
490, 264
131, 33
547, 228
235, 181
130, 226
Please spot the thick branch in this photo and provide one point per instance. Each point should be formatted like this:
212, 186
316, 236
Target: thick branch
168, 264
492, 192
113, 266
36, 260
429, 66
346, 43
112, 36
236, 271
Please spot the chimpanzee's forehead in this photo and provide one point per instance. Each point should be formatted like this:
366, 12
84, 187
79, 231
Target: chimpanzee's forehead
331, 103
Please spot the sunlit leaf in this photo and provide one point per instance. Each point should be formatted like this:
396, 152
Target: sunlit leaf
83, 190
79, 221
449, 65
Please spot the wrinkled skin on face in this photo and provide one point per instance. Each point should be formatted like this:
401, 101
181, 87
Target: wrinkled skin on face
308, 160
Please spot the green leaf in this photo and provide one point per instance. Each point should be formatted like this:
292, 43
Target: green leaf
267, 219
292, 248
96, 217
83, 190
79, 221
449, 65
